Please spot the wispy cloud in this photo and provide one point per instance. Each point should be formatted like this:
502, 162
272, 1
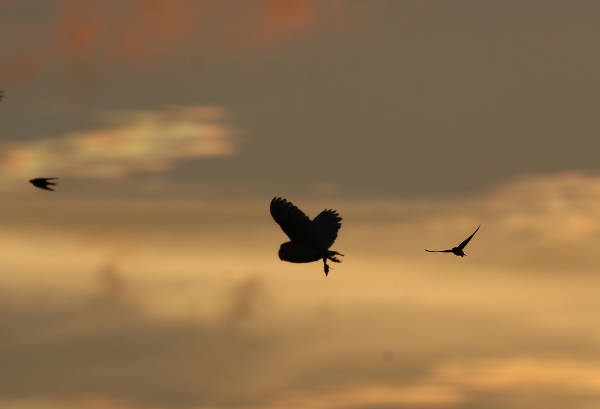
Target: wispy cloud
561, 207
148, 141
150, 26
455, 384
521, 373
281, 19
360, 396
123, 29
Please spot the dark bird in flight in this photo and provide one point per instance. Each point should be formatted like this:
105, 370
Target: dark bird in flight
309, 240
458, 250
44, 183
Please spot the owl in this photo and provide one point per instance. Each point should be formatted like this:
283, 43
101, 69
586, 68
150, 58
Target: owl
309, 240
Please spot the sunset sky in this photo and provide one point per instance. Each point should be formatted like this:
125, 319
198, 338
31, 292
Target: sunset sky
150, 278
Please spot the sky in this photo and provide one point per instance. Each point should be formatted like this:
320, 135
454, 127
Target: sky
150, 278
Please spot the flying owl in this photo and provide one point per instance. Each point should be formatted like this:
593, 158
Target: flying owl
309, 240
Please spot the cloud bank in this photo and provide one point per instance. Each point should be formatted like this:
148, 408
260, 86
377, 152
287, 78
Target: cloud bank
168, 303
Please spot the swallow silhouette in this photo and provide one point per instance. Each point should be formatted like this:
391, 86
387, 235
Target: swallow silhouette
44, 183
309, 240
458, 250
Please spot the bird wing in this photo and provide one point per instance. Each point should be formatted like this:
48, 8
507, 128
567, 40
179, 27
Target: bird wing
292, 221
466, 241
439, 251
326, 226
42, 185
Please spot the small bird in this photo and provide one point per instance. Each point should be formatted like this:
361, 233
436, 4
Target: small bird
458, 250
43, 183
309, 240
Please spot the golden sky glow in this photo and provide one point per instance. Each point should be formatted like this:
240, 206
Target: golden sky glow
188, 296
150, 278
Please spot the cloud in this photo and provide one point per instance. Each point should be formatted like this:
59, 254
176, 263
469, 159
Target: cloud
80, 27
540, 222
279, 19
107, 352
95, 31
110, 278
99, 39
90, 402
23, 67
119, 355
462, 384
521, 373
148, 141
358, 396
560, 207
201, 302
131, 29
248, 298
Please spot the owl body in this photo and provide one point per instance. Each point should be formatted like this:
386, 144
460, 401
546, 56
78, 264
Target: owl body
299, 253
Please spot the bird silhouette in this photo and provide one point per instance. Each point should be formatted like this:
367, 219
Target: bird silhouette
309, 240
44, 183
458, 250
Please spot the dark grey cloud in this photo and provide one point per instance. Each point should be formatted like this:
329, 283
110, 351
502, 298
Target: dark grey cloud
438, 98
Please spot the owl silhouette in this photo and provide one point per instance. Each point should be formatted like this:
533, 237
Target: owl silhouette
309, 239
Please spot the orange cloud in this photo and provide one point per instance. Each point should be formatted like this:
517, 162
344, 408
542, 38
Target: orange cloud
155, 26
282, 17
80, 27
94, 34
139, 29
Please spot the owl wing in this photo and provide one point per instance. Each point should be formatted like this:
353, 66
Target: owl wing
326, 226
292, 221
